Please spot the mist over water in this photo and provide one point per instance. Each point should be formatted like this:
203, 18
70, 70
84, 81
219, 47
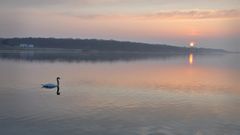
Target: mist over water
165, 95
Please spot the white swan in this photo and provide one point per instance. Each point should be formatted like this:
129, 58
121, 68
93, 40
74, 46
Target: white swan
51, 86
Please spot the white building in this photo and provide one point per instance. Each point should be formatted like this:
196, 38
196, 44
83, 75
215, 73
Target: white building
26, 45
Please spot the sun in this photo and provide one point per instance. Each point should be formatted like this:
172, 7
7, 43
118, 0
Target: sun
191, 44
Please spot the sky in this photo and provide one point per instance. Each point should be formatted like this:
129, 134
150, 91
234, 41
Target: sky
208, 23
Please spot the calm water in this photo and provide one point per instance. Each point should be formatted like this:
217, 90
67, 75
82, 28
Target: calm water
182, 95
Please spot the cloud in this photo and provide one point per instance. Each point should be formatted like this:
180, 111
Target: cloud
180, 14
41, 3
198, 14
107, 3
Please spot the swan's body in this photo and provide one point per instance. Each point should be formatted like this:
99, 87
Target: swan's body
52, 86
49, 86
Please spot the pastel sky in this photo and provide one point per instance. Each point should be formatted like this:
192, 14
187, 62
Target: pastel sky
209, 23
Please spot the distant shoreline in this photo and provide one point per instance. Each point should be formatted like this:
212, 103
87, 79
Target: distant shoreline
70, 50
93, 46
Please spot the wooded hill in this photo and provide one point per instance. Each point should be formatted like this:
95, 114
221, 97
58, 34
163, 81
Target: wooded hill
99, 45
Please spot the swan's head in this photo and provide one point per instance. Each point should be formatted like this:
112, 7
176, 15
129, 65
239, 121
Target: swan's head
58, 78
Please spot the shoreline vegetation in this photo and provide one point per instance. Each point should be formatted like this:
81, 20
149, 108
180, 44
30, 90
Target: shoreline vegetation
75, 50
94, 46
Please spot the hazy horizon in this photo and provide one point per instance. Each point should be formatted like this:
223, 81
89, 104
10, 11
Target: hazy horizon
209, 23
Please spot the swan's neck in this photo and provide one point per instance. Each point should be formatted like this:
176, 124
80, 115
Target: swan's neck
57, 82
58, 92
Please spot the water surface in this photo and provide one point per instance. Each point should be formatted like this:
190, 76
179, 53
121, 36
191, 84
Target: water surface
178, 95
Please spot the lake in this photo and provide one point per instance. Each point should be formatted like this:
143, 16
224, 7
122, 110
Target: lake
165, 95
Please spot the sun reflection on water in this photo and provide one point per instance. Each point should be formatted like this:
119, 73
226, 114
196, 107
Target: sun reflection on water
190, 58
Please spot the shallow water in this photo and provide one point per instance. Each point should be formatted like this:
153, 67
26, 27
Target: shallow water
182, 95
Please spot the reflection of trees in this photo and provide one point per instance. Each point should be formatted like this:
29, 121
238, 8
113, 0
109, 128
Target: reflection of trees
92, 56
78, 57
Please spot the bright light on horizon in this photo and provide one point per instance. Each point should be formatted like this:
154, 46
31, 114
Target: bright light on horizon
192, 44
